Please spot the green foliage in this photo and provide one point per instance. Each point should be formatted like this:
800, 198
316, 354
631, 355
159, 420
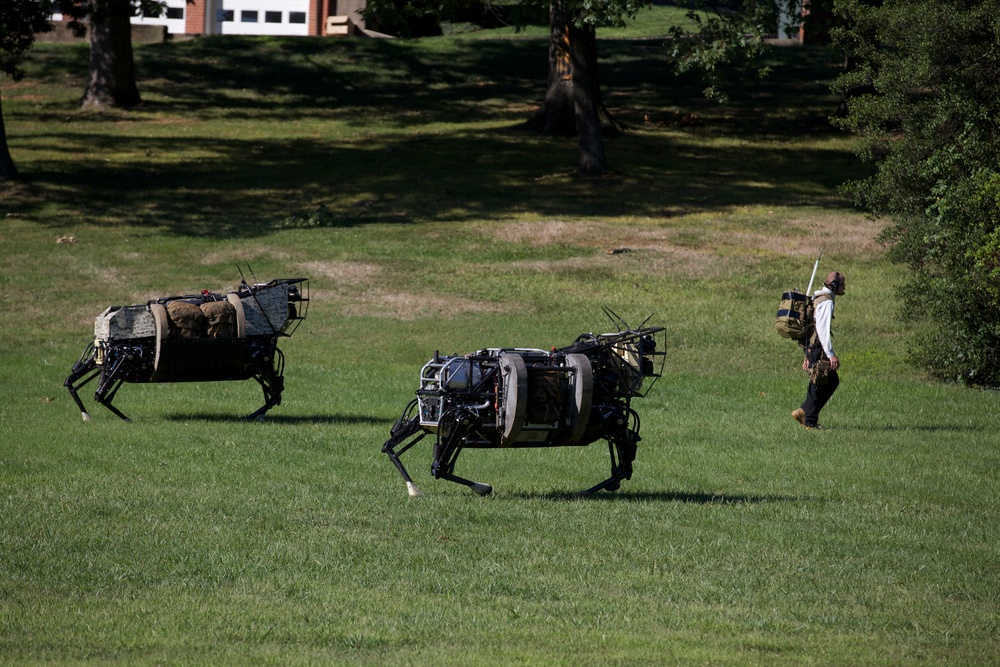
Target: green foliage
407, 18
986, 258
609, 12
925, 104
725, 44
20, 20
414, 18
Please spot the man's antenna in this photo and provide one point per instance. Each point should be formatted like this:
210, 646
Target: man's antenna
809, 289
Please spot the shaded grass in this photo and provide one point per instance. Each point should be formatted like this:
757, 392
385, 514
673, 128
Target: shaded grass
238, 135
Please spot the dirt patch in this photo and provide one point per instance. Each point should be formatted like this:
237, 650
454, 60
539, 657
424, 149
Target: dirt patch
353, 289
341, 273
659, 250
696, 239
640, 258
552, 232
242, 257
409, 306
353, 285
843, 235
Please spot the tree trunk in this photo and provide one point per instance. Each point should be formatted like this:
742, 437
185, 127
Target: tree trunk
557, 115
112, 70
583, 47
572, 100
8, 172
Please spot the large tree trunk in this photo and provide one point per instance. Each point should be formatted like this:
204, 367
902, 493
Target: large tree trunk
583, 47
112, 70
557, 115
8, 172
572, 100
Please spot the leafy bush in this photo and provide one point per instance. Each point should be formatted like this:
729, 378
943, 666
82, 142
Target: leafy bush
928, 119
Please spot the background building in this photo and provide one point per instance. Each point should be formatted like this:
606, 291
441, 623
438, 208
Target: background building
257, 17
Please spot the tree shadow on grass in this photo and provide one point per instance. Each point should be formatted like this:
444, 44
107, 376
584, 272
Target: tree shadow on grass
401, 82
249, 189
481, 166
294, 78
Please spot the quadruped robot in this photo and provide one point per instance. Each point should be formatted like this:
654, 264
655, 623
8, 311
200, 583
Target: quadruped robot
204, 337
525, 397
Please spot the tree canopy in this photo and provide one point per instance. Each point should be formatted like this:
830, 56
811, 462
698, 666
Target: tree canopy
20, 20
924, 100
728, 36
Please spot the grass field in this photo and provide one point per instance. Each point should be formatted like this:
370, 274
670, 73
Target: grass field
394, 176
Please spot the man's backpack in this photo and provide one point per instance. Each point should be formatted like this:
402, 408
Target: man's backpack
795, 316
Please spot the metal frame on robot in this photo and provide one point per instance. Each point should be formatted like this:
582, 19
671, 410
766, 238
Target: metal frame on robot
526, 397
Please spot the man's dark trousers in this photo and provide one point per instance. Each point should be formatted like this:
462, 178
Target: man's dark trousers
817, 396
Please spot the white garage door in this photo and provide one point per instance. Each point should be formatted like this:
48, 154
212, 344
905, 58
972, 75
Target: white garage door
263, 17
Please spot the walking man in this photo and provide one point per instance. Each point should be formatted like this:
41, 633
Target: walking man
820, 359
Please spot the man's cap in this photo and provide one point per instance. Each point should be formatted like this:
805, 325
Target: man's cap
834, 276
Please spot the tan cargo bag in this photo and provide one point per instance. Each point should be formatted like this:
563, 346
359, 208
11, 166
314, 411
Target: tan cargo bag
186, 319
220, 316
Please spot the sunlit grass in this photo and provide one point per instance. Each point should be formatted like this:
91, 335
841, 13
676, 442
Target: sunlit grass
426, 221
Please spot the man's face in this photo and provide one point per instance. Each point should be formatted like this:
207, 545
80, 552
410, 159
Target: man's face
842, 287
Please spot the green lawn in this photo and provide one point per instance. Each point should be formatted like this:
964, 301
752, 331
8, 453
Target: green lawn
394, 175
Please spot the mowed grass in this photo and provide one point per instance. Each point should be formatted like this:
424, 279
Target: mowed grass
394, 176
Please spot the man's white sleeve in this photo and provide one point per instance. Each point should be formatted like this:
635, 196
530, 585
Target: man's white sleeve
824, 313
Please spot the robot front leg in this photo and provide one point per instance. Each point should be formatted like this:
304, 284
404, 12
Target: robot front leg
273, 385
405, 428
612, 483
479, 487
109, 385
272, 381
622, 449
454, 429
106, 392
86, 368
